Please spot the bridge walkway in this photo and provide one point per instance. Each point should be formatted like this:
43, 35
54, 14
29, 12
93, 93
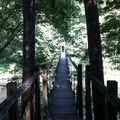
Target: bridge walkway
62, 100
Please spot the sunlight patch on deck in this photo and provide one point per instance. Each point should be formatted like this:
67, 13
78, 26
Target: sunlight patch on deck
63, 55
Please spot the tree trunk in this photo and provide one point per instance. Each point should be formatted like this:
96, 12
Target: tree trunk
28, 53
95, 55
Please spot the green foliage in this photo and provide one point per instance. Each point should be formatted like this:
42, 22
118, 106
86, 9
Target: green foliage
56, 21
4, 66
110, 29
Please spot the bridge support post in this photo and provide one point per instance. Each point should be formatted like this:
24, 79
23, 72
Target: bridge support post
88, 95
45, 98
95, 56
112, 87
79, 91
13, 111
37, 96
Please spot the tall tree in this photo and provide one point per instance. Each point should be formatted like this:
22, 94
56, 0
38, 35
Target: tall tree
28, 54
95, 55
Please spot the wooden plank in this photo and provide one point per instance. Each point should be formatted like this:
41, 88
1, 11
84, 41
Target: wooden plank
112, 87
62, 103
98, 84
76, 67
37, 96
45, 91
50, 63
88, 95
26, 112
8, 102
79, 91
13, 111
115, 101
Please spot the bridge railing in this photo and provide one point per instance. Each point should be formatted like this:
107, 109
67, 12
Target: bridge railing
77, 86
10, 104
112, 102
110, 94
48, 76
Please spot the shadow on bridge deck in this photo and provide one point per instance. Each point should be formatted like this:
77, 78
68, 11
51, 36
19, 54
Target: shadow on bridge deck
62, 103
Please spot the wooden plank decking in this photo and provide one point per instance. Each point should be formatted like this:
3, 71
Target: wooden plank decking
62, 104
